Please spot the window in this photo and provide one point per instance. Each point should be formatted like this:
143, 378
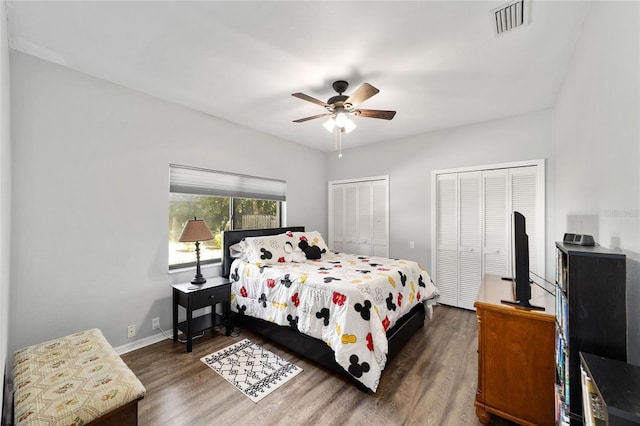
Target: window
225, 201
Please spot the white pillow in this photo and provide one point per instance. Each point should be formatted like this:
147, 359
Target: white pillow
314, 238
271, 249
237, 251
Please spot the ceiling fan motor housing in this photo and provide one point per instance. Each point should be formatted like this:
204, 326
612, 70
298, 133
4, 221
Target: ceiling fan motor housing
340, 86
336, 102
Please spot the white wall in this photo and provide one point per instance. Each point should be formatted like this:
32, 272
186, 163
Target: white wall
596, 142
90, 197
409, 163
5, 194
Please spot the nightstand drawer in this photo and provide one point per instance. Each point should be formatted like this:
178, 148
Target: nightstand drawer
210, 296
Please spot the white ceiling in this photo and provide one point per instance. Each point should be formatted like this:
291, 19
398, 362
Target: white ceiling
437, 63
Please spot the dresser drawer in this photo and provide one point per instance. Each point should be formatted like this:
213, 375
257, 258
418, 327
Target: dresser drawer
210, 296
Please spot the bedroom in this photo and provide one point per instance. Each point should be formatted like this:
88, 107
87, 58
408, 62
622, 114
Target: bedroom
59, 147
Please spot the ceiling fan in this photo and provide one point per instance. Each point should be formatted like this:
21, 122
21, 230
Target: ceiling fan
340, 106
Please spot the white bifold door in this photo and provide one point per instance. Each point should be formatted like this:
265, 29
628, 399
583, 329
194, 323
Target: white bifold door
471, 225
359, 216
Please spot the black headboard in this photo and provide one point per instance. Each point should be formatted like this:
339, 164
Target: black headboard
229, 238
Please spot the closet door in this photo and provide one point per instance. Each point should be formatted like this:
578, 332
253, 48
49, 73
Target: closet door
351, 231
380, 218
336, 217
365, 218
526, 194
446, 236
496, 250
472, 219
359, 216
469, 245
458, 237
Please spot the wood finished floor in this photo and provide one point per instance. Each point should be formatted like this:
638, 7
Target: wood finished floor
432, 381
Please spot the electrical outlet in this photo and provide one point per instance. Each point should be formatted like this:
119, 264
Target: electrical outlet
131, 331
155, 323
412, 244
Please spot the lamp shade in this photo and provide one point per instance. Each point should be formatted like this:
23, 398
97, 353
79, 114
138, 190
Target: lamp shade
341, 119
329, 125
195, 230
349, 126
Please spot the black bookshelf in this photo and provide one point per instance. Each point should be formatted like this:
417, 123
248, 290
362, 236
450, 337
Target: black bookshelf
591, 317
613, 390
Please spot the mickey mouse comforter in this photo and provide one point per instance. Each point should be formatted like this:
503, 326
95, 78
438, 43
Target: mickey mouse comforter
346, 300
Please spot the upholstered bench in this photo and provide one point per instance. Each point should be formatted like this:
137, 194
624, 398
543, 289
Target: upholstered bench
74, 380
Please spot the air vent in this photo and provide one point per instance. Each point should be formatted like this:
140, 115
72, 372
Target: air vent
510, 16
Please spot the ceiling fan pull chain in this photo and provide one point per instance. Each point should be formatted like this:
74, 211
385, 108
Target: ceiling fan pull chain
339, 142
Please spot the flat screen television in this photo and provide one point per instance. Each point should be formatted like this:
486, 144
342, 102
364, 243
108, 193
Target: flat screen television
522, 282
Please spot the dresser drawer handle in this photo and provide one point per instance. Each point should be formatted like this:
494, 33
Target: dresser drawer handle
212, 296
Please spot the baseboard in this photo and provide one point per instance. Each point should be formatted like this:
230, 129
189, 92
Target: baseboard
139, 344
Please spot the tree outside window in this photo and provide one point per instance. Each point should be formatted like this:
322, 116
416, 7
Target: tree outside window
220, 214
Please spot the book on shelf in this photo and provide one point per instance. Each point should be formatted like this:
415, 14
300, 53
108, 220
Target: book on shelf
562, 270
566, 382
561, 415
593, 408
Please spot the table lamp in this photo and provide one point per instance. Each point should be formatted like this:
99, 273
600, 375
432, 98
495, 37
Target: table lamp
196, 230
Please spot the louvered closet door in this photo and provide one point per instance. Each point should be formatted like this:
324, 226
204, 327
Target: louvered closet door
447, 238
496, 250
351, 231
525, 199
359, 216
365, 219
380, 218
469, 248
472, 225
336, 216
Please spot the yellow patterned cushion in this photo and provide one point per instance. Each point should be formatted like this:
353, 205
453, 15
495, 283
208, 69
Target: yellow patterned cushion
71, 381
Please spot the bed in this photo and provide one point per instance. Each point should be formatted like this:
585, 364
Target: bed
349, 313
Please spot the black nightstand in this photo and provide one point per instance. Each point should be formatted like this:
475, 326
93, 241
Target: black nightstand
191, 297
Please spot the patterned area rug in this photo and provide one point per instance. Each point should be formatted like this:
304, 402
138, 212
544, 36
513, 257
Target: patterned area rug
253, 370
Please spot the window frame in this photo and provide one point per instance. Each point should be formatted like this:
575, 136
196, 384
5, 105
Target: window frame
275, 191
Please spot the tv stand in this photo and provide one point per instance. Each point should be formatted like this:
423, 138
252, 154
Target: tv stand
522, 305
516, 364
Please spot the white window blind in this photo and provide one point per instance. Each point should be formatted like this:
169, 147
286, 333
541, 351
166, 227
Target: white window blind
192, 180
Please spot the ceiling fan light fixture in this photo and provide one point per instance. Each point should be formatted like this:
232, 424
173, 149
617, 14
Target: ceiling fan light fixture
342, 119
329, 125
349, 126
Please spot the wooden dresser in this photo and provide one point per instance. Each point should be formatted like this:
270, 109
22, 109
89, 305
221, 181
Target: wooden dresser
516, 364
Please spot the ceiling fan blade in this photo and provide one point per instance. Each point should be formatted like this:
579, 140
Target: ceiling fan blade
375, 113
302, 120
363, 93
309, 98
